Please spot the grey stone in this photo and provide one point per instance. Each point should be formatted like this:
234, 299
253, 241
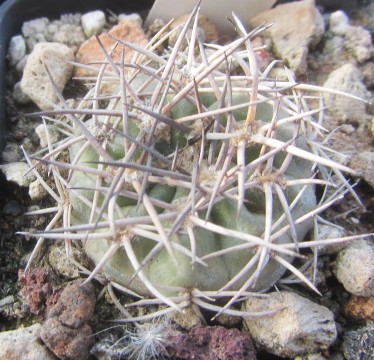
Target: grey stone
354, 268
358, 344
339, 23
19, 96
300, 327
11, 153
37, 191
358, 43
348, 79
292, 38
36, 82
17, 49
47, 133
23, 343
18, 172
34, 26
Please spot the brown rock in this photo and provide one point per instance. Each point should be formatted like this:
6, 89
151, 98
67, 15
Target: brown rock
75, 305
67, 343
66, 332
295, 27
360, 307
90, 51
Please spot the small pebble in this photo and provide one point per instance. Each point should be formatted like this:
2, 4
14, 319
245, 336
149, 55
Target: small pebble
19, 96
354, 268
358, 42
17, 49
130, 17
326, 232
93, 22
347, 129
18, 172
47, 133
358, 344
37, 191
339, 23
11, 153
346, 78
34, 26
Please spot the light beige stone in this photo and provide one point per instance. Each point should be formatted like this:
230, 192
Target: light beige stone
18, 172
296, 26
354, 268
35, 80
348, 79
301, 327
23, 343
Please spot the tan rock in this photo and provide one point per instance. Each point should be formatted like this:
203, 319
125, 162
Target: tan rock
296, 26
360, 307
90, 51
301, 327
35, 80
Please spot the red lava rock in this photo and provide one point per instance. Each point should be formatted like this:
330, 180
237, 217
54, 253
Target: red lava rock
38, 290
210, 343
66, 332
90, 50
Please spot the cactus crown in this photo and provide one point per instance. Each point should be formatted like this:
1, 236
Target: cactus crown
190, 174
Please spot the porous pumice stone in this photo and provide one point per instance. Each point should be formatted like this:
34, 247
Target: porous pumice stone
300, 327
36, 82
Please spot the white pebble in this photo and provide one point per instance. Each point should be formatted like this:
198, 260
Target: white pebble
136, 18
37, 191
93, 22
326, 232
18, 172
358, 43
354, 268
301, 327
339, 23
46, 132
35, 26
17, 49
346, 78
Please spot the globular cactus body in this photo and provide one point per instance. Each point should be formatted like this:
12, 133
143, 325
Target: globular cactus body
191, 171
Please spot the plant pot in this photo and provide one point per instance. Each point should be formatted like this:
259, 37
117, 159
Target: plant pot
14, 12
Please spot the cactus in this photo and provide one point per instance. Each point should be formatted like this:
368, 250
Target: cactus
189, 175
